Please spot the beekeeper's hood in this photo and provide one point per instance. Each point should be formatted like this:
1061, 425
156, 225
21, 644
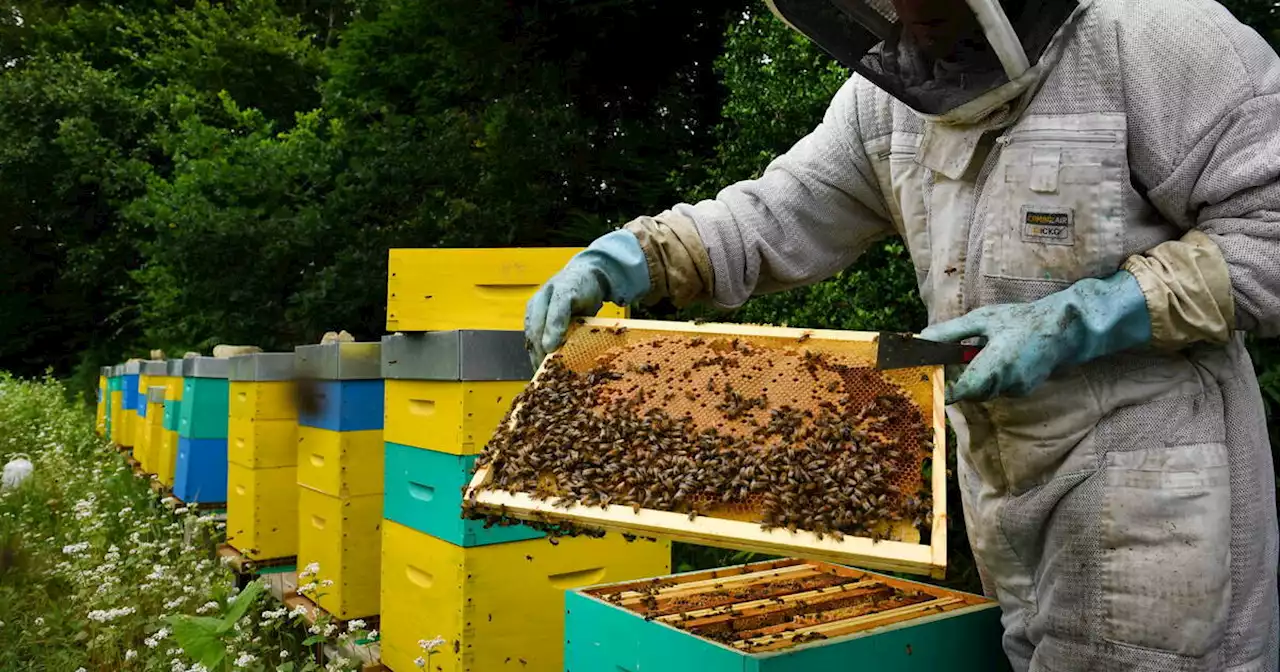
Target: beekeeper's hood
953, 61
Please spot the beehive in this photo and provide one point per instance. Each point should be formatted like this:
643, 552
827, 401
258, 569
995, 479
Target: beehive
102, 400
129, 403
115, 412
777, 440
786, 615
154, 430
200, 468
340, 473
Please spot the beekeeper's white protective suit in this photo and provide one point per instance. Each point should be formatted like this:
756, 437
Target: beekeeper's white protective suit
1124, 511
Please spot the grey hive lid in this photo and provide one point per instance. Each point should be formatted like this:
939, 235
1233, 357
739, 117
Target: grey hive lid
339, 361
463, 354
261, 367
205, 367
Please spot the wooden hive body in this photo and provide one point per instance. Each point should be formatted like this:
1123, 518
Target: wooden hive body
780, 616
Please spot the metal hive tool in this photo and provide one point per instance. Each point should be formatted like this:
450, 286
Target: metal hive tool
779, 440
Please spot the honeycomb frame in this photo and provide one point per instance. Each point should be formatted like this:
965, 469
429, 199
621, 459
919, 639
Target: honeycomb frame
901, 551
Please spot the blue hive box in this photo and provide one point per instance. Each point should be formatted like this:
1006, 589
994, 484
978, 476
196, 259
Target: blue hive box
200, 472
344, 406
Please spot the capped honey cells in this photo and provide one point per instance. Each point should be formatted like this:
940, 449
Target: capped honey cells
797, 434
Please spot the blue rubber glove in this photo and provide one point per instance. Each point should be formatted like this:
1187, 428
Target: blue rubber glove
612, 268
1027, 342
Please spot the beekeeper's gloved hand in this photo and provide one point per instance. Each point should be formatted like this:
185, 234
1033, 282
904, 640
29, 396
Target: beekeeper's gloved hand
612, 268
1027, 342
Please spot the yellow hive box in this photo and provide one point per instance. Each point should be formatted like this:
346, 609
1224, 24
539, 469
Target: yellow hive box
262, 444
122, 427
167, 456
262, 401
154, 423
342, 535
141, 444
262, 511
499, 606
100, 417
439, 290
117, 416
446, 416
340, 464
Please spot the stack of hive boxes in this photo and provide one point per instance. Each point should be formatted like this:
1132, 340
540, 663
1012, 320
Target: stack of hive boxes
115, 399
100, 413
151, 388
340, 475
262, 430
495, 596
122, 431
200, 471
168, 452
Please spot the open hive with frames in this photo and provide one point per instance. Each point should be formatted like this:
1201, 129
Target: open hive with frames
772, 439
773, 606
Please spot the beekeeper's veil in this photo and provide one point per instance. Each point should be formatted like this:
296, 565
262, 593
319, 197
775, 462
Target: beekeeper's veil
953, 60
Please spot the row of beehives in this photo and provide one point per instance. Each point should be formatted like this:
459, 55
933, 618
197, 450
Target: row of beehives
355, 455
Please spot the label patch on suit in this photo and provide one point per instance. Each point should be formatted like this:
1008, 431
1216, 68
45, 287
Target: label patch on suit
1052, 226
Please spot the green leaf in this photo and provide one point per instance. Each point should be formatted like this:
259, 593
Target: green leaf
243, 601
201, 638
313, 639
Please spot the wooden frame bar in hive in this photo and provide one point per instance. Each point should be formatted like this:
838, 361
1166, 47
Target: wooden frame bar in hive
886, 555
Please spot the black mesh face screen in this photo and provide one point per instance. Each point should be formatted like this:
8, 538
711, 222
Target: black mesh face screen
869, 37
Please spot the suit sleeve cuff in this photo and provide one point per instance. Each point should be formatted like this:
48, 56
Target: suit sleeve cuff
679, 266
1187, 286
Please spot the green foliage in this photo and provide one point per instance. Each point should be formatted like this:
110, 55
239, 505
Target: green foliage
204, 638
95, 574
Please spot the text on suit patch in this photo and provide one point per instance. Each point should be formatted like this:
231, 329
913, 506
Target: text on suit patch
1047, 225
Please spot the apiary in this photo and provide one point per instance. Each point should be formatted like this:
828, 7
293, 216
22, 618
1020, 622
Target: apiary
777, 440
780, 616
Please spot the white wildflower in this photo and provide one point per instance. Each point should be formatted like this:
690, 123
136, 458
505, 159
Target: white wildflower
430, 645
373, 634
39, 620
180, 510
207, 607
104, 615
175, 602
75, 549
326, 583
354, 624
130, 654
244, 659
419, 662
81, 669
283, 654
329, 628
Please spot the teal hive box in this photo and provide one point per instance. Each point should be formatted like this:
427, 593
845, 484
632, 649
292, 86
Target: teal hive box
423, 490
172, 411
204, 408
942, 631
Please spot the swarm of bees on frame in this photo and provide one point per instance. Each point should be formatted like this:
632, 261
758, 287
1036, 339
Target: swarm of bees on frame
789, 437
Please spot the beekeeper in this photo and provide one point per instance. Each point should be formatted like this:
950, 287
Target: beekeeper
1090, 189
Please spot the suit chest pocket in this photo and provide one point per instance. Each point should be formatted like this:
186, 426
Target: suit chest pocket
1055, 209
